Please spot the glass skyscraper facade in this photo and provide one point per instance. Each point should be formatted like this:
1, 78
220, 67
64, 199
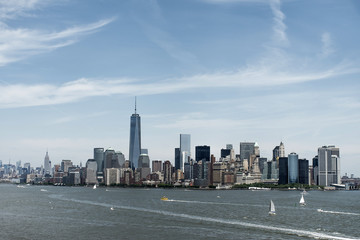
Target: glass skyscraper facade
293, 168
185, 152
99, 158
202, 153
135, 139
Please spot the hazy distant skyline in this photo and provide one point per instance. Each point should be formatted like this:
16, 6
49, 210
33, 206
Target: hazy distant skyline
224, 71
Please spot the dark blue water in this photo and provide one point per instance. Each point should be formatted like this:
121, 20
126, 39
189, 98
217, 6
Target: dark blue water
47, 212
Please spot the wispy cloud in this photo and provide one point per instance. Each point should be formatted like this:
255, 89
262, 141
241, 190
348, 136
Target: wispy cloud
19, 43
327, 45
22, 95
15, 8
279, 26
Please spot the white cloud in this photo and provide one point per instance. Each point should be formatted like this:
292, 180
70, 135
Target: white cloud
17, 44
14, 8
22, 95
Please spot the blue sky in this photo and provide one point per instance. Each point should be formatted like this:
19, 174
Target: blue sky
224, 71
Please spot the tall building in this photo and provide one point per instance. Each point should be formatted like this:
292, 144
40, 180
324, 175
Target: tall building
281, 150
113, 159
185, 153
246, 150
144, 165
328, 166
99, 158
177, 159
91, 169
276, 153
168, 172
120, 159
47, 164
156, 166
293, 168
65, 165
303, 171
202, 153
135, 139
283, 170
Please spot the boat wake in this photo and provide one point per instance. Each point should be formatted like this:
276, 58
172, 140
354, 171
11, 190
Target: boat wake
335, 212
318, 235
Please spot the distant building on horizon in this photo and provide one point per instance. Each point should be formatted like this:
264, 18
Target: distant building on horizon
246, 150
135, 139
91, 170
185, 153
99, 158
328, 169
202, 153
293, 168
47, 164
283, 170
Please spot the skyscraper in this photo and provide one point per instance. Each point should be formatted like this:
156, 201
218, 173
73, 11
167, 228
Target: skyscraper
47, 166
246, 150
99, 158
177, 158
281, 150
328, 166
303, 171
293, 168
135, 139
184, 150
202, 153
283, 170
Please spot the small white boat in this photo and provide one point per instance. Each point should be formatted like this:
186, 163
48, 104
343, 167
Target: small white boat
320, 210
43, 190
302, 200
112, 209
94, 187
272, 208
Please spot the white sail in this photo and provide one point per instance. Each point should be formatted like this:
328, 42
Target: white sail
302, 200
272, 208
94, 187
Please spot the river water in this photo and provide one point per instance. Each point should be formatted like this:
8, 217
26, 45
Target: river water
48, 212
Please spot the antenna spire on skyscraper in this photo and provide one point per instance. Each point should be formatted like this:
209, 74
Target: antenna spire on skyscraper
135, 104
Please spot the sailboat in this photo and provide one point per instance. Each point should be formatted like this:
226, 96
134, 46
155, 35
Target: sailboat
272, 208
302, 200
94, 187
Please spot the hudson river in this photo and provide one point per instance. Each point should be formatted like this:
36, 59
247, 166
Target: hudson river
47, 212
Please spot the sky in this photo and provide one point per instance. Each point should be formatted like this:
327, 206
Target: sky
224, 71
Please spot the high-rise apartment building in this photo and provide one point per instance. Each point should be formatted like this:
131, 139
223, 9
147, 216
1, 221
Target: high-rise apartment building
135, 139
185, 153
328, 171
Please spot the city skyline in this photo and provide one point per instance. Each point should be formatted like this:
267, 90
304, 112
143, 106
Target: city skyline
224, 72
